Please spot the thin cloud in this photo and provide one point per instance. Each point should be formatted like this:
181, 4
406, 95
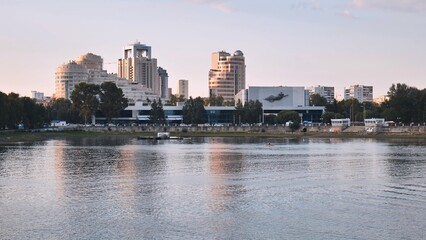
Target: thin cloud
307, 4
220, 5
418, 6
346, 14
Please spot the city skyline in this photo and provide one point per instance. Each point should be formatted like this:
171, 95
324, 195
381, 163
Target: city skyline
292, 43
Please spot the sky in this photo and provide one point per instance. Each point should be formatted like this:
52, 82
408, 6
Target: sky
285, 42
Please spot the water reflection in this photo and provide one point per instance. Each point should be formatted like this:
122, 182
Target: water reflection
213, 188
225, 159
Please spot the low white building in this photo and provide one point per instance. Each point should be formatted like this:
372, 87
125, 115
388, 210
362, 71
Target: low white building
282, 98
374, 124
344, 122
58, 123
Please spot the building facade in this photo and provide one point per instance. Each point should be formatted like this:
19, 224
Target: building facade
88, 68
182, 88
39, 96
281, 98
164, 82
323, 91
360, 92
67, 76
227, 75
138, 67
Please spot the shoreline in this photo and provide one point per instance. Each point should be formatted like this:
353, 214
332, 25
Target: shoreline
20, 136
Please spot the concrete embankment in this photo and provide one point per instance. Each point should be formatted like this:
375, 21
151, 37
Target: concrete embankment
266, 129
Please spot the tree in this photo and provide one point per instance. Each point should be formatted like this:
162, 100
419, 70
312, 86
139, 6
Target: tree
194, 112
85, 100
317, 100
327, 116
253, 112
289, 116
33, 115
239, 112
157, 113
214, 100
61, 109
406, 104
4, 113
229, 103
270, 119
174, 99
15, 110
112, 100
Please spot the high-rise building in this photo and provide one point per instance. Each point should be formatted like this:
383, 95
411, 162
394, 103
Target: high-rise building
67, 76
360, 92
137, 66
227, 75
182, 88
88, 68
323, 91
164, 80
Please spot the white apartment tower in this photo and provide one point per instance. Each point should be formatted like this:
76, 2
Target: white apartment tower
182, 88
323, 91
360, 92
227, 75
137, 66
67, 76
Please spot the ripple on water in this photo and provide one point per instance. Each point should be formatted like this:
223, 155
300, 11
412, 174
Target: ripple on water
213, 188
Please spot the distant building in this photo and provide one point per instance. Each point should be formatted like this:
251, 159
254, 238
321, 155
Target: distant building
164, 82
381, 99
137, 66
323, 91
182, 88
39, 96
360, 92
227, 75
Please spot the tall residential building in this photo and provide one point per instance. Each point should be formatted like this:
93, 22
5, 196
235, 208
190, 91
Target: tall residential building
164, 80
67, 76
227, 75
182, 88
323, 91
137, 66
360, 92
88, 68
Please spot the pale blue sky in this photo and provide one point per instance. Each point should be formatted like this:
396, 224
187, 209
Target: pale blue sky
286, 42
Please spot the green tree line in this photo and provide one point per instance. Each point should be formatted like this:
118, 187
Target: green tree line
16, 111
405, 104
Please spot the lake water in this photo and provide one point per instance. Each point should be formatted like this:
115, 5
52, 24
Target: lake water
213, 188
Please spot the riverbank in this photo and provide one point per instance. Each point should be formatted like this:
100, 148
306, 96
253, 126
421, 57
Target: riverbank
22, 136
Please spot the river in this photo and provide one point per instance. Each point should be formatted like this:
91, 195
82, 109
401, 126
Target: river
213, 188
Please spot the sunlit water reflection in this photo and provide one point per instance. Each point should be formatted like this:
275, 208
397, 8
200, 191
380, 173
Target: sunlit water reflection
213, 188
